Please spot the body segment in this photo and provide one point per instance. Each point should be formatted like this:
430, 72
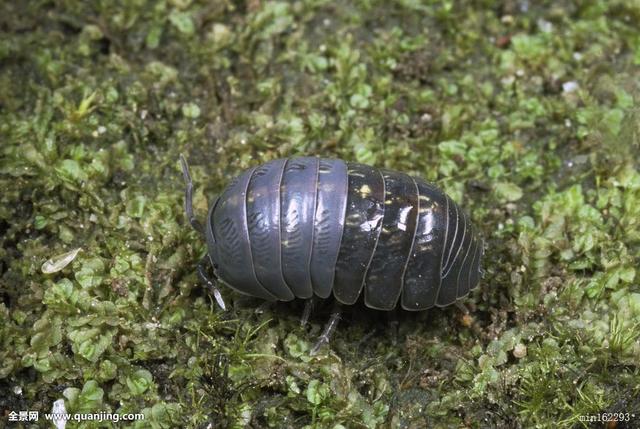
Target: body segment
263, 221
384, 280
423, 275
298, 192
229, 224
362, 225
331, 206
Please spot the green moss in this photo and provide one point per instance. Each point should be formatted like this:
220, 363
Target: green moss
524, 113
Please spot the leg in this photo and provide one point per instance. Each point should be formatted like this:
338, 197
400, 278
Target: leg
263, 307
188, 197
392, 319
462, 307
328, 329
366, 337
308, 308
209, 282
465, 319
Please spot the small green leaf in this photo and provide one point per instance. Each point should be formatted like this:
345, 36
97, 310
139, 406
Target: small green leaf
42, 365
139, 382
317, 392
191, 110
296, 346
627, 274
452, 147
135, 206
70, 169
85, 400
508, 191
153, 37
292, 385
90, 343
60, 292
161, 415
40, 222
71, 393
91, 273
107, 370
91, 396
182, 22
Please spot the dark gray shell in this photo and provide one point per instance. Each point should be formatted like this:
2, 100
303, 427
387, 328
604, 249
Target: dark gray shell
292, 228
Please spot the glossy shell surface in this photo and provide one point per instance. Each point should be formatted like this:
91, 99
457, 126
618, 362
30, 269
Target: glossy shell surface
292, 228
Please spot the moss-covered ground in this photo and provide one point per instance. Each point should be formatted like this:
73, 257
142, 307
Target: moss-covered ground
524, 112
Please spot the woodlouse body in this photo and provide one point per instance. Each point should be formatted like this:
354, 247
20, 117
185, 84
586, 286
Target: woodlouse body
292, 228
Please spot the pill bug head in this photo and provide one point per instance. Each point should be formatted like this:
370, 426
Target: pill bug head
206, 232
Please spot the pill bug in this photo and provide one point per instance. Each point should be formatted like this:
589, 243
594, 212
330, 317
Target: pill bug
304, 227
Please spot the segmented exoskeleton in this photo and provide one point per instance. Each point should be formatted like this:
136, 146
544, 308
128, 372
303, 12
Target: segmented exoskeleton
299, 227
